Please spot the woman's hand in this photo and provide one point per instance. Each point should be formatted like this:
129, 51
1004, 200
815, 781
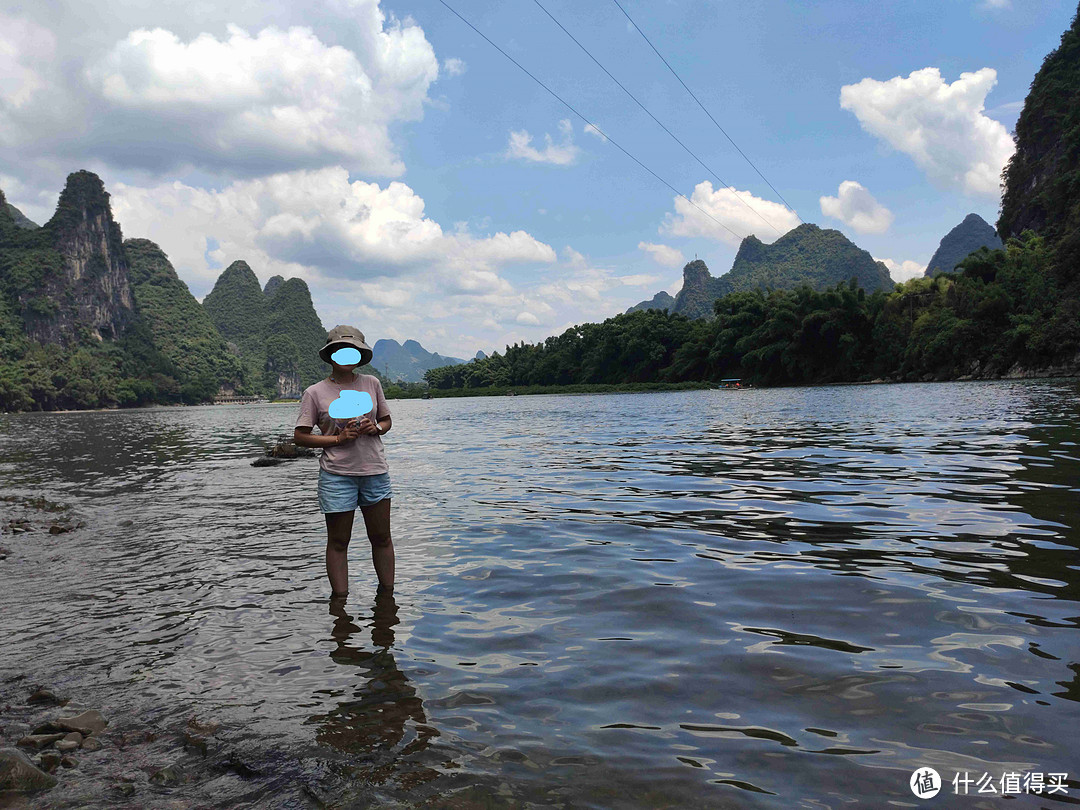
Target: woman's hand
350, 432
368, 428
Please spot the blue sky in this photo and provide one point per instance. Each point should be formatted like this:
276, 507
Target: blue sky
426, 188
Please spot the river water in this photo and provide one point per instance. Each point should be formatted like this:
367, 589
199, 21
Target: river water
762, 598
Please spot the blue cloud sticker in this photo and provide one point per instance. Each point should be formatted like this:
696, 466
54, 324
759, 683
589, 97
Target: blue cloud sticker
347, 356
351, 404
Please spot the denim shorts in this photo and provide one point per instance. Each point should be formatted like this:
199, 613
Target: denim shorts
343, 493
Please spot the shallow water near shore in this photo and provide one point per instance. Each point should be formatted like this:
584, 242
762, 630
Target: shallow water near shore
764, 598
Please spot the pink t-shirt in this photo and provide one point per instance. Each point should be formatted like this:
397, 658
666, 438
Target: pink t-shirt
362, 456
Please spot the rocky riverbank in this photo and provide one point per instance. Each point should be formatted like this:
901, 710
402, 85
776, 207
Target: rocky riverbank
57, 752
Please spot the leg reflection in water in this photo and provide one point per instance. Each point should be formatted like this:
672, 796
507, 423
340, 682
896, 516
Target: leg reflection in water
384, 711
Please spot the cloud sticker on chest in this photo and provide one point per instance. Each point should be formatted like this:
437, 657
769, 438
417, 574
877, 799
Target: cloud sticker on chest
351, 404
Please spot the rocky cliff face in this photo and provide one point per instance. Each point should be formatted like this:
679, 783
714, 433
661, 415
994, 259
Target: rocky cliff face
967, 237
90, 288
699, 290
1042, 178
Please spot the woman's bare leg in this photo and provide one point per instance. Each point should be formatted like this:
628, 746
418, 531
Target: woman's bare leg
338, 533
377, 522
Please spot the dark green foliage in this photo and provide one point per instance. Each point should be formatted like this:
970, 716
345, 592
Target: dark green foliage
808, 255
630, 347
805, 256
178, 326
168, 352
238, 310
1003, 310
250, 317
1042, 180
959, 243
661, 300
272, 286
291, 314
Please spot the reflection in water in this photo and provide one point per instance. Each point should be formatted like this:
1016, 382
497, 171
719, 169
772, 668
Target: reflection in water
766, 598
383, 708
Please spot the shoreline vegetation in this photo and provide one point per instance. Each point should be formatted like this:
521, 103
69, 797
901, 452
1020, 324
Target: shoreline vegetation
1064, 373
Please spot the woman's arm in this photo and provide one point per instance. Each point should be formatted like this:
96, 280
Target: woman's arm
303, 437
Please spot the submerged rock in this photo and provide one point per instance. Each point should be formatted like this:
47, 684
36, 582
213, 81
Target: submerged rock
39, 741
19, 774
43, 695
170, 775
49, 761
87, 723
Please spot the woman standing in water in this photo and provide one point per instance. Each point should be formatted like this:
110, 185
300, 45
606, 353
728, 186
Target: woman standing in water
352, 467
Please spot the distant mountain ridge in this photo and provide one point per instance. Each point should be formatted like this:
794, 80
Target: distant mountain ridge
963, 240
662, 300
407, 362
820, 258
20, 219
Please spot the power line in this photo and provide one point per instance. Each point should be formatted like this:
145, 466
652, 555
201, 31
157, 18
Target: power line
691, 92
590, 123
657, 120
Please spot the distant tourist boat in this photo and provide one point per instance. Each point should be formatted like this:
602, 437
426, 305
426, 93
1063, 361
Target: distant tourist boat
731, 382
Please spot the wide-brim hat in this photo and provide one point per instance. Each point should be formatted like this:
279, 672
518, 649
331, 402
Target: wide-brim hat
346, 336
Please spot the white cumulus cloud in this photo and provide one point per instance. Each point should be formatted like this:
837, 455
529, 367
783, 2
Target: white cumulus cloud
941, 126
856, 207
317, 223
740, 211
663, 255
246, 102
902, 271
559, 154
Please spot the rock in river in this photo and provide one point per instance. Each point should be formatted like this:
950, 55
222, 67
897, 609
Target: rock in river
20, 774
87, 723
38, 741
